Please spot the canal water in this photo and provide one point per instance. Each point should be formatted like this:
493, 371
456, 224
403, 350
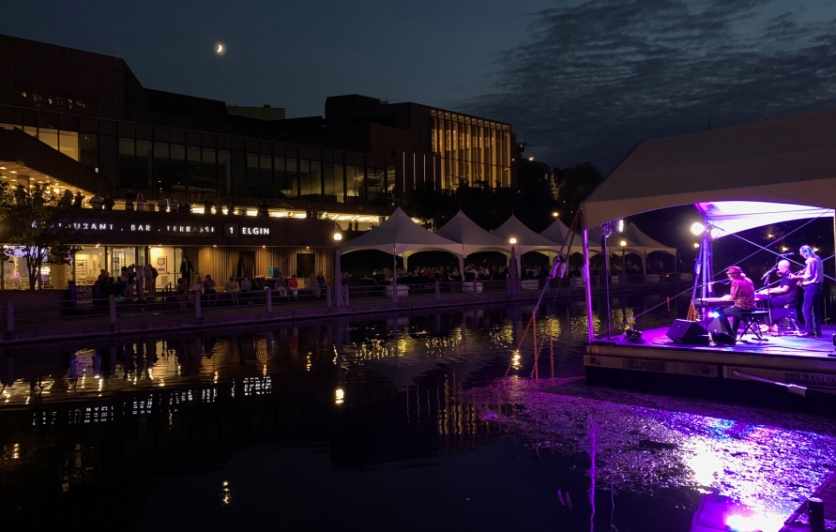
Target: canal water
435, 421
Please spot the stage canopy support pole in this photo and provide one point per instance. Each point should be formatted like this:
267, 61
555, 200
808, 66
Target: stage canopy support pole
588, 282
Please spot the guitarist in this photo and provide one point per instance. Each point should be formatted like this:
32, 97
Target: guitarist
811, 278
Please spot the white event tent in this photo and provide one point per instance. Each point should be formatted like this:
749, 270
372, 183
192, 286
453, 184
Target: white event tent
471, 237
738, 178
400, 235
527, 240
558, 233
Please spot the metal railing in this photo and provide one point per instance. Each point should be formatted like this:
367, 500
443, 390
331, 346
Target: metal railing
97, 307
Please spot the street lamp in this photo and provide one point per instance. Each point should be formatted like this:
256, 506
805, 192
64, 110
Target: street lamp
696, 245
555, 214
337, 275
514, 268
339, 396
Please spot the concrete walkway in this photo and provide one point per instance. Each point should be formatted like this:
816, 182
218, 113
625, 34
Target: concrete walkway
138, 319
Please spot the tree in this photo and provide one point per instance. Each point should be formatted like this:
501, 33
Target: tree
39, 225
574, 185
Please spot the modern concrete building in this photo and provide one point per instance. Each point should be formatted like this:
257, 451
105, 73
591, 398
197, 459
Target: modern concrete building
83, 122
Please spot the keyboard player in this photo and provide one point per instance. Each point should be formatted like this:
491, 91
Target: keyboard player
743, 295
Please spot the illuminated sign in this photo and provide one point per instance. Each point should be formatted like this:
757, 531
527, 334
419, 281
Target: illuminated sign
234, 230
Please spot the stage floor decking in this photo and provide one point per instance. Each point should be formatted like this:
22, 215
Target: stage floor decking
783, 345
788, 361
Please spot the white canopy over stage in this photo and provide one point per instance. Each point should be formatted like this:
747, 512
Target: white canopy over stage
738, 178
789, 161
734, 216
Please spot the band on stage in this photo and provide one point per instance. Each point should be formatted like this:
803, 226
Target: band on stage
785, 295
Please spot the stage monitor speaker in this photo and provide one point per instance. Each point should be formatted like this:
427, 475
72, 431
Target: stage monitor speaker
688, 333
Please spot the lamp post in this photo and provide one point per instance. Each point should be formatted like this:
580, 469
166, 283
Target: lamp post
338, 292
623, 277
514, 270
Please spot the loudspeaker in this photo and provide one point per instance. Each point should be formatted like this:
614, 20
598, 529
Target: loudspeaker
688, 332
716, 326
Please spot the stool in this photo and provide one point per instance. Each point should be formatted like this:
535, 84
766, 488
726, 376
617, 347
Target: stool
786, 317
751, 322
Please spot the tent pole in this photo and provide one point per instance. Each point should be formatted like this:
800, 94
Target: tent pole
588, 283
394, 273
606, 253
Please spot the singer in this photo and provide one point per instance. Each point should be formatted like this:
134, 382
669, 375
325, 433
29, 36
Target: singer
743, 295
811, 278
786, 293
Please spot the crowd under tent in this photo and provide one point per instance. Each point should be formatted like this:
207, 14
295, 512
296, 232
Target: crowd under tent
738, 178
640, 243
471, 237
401, 236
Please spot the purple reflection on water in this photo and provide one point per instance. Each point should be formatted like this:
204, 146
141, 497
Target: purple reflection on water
769, 462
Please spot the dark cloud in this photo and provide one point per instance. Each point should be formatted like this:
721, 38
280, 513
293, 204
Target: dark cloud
593, 80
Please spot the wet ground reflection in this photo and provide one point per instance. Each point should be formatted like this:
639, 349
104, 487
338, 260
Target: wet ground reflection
379, 423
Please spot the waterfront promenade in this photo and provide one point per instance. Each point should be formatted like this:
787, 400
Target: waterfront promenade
39, 322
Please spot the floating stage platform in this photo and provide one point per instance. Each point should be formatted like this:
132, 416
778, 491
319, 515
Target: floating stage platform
776, 371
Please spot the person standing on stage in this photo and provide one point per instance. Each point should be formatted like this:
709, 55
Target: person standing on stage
786, 293
743, 295
811, 278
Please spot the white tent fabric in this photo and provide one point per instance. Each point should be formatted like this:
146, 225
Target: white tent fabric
735, 216
472, 238
785, 161
401, 236
558, 233
639, 239
527, 240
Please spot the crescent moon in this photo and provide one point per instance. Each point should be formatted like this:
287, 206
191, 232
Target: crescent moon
220, 48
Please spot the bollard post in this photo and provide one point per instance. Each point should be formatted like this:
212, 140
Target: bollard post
328, 296
437, 290
815, 514
111, 302
475, 285
10, 316
269, 294
197, 313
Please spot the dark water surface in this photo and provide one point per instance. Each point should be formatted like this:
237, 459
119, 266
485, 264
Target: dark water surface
401, 422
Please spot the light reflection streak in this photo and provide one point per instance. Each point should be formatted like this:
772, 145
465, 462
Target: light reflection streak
767, 468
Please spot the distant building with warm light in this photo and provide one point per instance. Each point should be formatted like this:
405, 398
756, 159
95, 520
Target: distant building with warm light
83, 122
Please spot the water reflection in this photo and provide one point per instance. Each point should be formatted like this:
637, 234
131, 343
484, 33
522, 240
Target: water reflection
106, 420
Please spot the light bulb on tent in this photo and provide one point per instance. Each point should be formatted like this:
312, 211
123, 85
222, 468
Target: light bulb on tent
620, 226
697, 228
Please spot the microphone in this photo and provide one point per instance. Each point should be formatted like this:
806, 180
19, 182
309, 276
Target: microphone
790, 254
768, 273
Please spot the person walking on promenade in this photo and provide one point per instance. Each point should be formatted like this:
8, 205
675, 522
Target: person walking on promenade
125, 278
313, 284
233, 289
186, 269
140, 282
150, 280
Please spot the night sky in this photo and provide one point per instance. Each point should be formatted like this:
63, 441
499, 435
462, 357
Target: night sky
580, 81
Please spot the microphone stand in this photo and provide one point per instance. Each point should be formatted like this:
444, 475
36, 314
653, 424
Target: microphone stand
766, 284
